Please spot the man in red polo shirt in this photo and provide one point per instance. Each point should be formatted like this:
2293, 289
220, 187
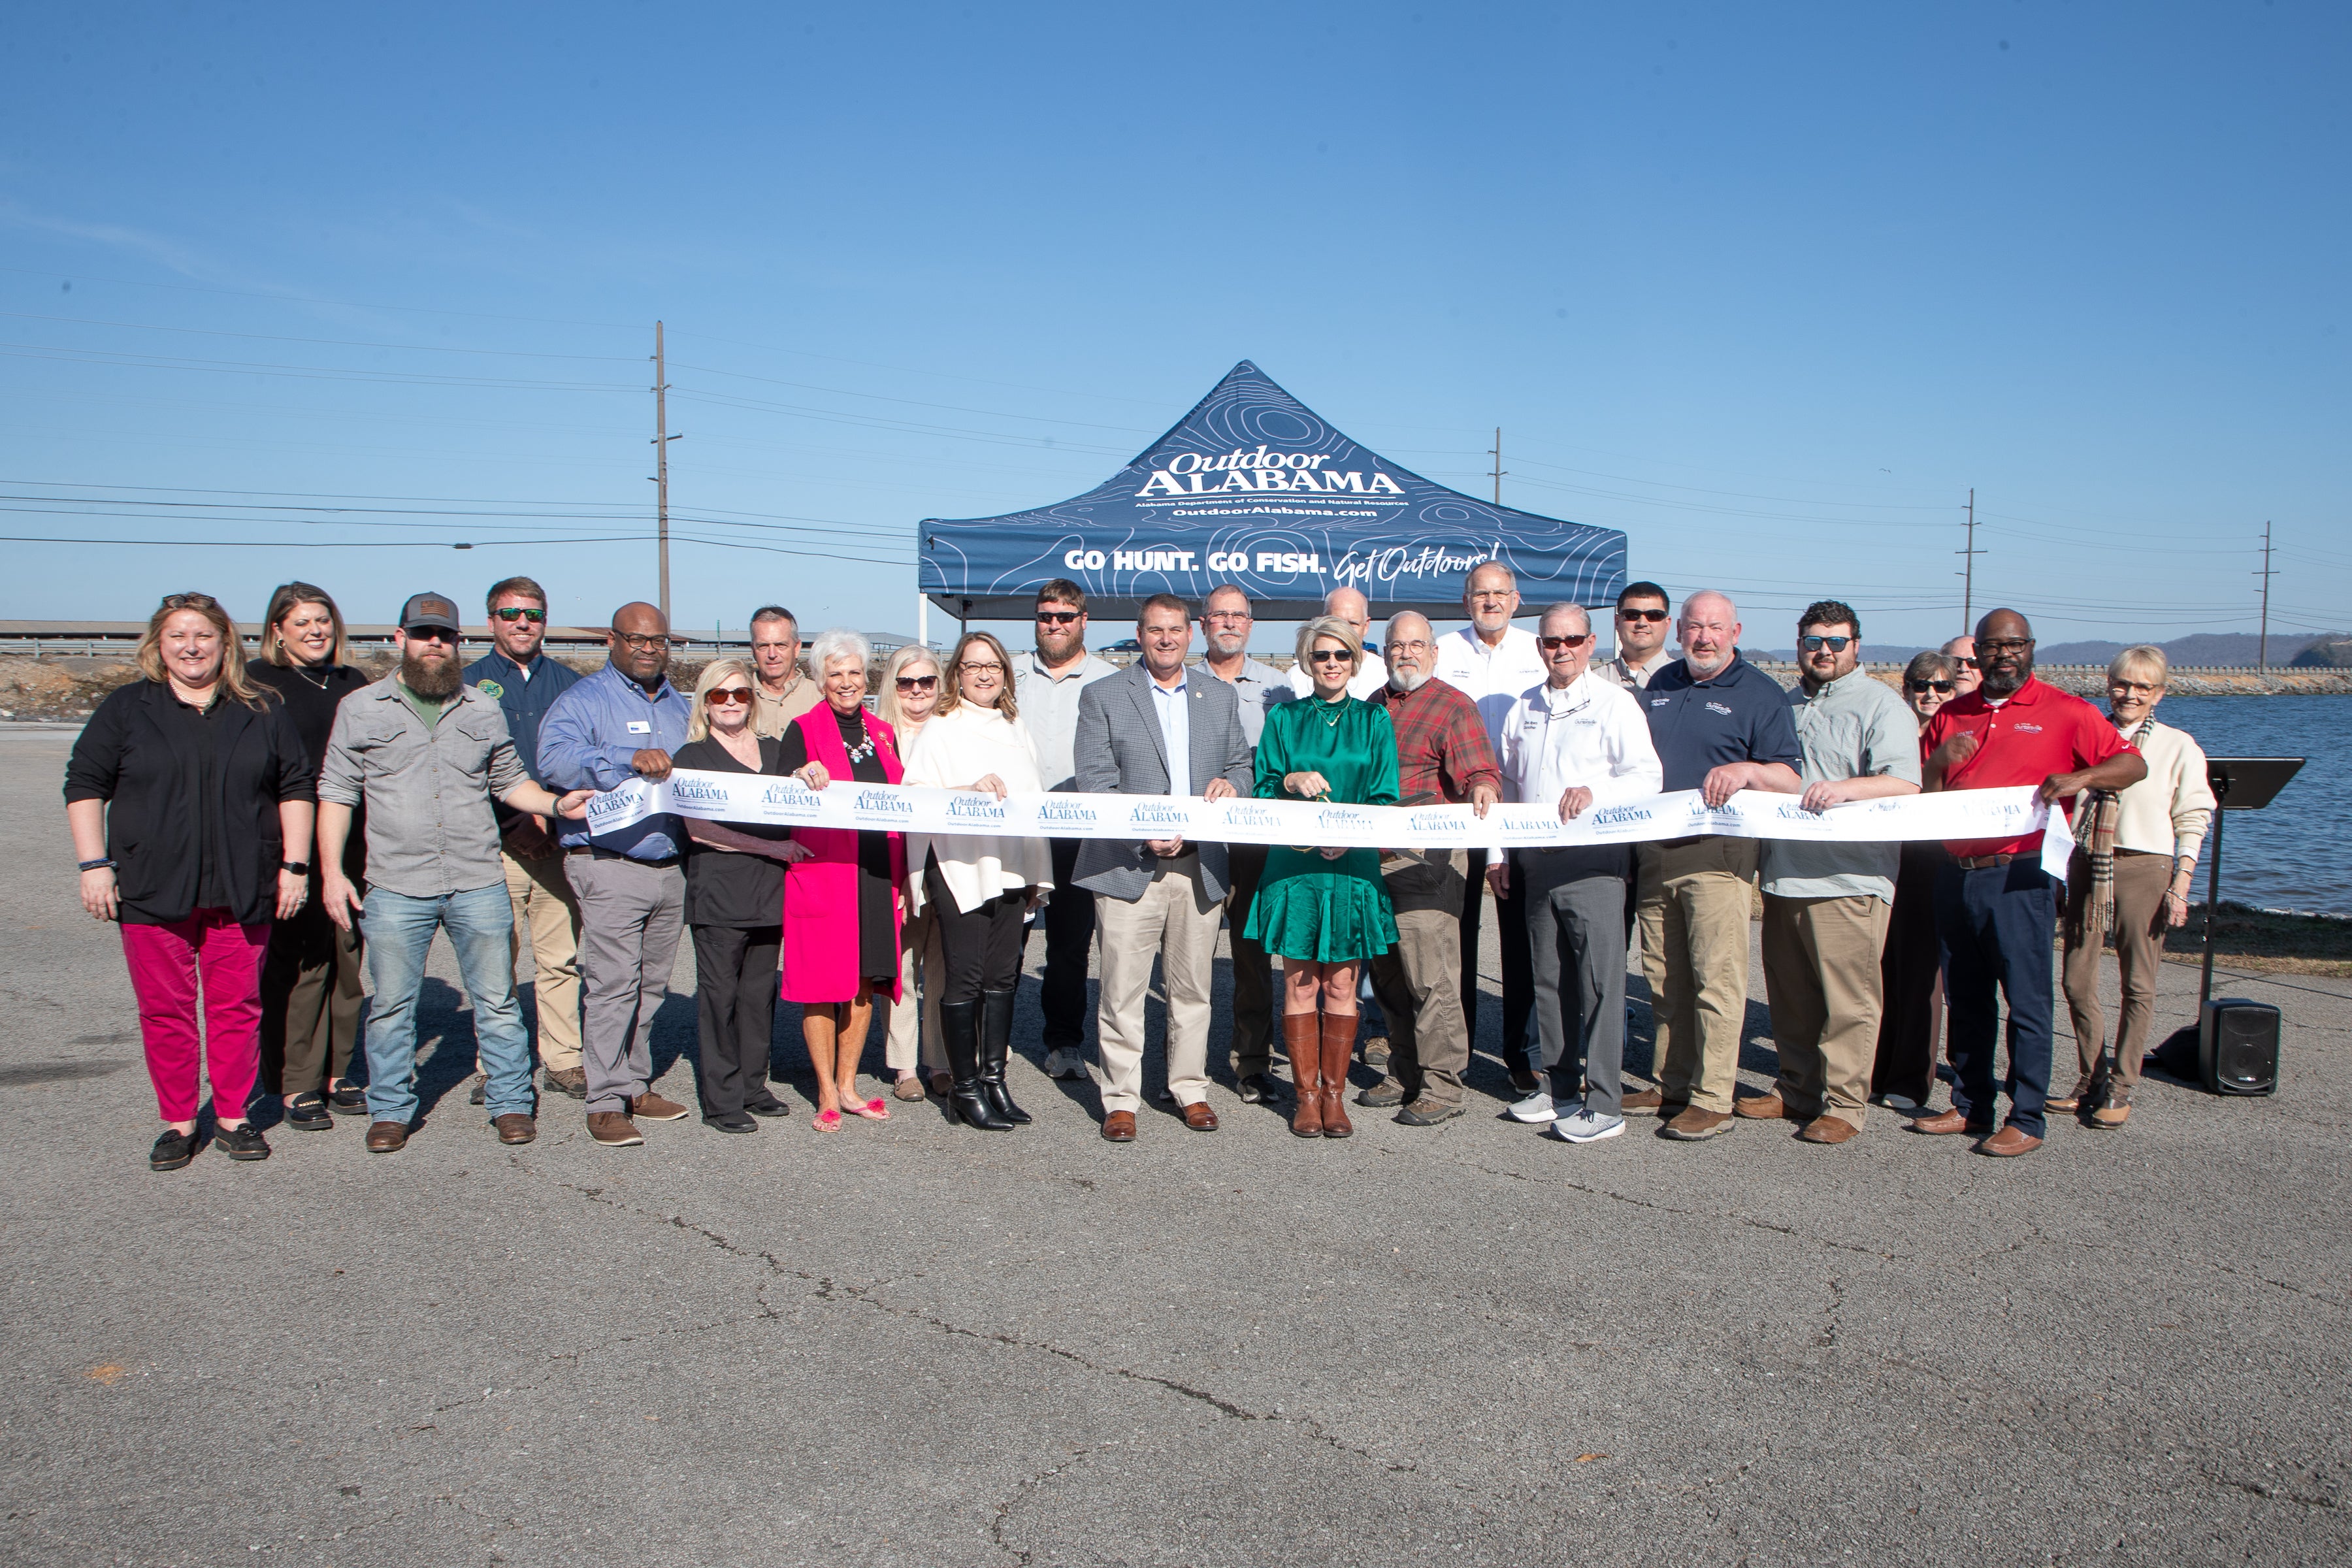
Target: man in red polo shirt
1996, 907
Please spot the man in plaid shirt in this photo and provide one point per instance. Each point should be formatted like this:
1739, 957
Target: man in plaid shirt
1442, 755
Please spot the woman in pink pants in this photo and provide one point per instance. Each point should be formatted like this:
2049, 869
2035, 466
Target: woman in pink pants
189, 796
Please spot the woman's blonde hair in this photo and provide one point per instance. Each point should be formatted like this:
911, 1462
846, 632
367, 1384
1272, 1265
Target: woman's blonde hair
2144, 656
906, 658
698, 722
289, 598
1330, 626
951, 689
233, 677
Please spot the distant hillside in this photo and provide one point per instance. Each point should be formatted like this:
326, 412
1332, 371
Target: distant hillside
2228, 650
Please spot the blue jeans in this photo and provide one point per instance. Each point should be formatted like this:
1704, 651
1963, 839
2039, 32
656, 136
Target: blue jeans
400, 930
1996, 924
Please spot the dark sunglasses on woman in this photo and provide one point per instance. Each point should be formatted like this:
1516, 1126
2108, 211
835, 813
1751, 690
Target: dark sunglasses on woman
1943, 686
727, 696
918, 682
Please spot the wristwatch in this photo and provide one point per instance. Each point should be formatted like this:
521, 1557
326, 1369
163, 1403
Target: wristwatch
299, 867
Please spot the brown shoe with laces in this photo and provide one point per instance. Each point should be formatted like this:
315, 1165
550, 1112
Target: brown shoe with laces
613, 1130
1200, 1117
1118, 1127
515, 1127
652, 1107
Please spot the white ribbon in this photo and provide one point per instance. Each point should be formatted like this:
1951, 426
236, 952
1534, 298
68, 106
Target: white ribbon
1979, 813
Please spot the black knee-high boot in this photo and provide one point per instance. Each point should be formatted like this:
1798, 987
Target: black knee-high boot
996, 1050
959, 1034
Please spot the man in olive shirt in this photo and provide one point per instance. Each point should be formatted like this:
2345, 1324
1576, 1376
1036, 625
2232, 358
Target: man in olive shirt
781, 693
428, 753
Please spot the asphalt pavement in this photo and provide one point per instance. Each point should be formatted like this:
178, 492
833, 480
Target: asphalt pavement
913, 1343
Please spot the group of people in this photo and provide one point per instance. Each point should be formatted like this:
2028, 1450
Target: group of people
262, 827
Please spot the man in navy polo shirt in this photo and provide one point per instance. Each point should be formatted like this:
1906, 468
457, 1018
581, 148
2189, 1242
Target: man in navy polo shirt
1720, 725
1995, 906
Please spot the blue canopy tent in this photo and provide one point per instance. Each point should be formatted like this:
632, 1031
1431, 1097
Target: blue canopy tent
1254, 488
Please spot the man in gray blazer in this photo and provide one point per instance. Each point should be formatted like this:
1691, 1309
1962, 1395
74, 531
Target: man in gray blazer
1157, 729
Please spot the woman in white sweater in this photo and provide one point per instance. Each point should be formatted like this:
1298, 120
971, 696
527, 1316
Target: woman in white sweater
910, 695
977, 888
2159, 827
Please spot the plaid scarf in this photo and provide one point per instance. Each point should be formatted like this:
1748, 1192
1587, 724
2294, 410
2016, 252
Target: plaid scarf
2096, 816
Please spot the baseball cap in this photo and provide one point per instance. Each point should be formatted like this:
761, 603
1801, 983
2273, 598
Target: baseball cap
436, 610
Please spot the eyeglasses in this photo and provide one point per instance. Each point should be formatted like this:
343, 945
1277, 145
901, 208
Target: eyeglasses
990, 668
1410, 647
1221, 616
1989, 647
657, 643
513, 612
1963, 661
1652, 616
1552, 644
1057, 617
2144, 687
1815, 644
1918, 685
727, 696
1492, 596
927, 682
1330, 655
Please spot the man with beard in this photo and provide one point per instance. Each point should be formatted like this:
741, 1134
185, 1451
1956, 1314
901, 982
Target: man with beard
1225, 625
428, 754
1995, 906
620, 723
1443, 757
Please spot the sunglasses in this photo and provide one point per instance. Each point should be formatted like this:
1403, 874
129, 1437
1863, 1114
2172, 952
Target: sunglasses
431, 634
1330, 655
925, 682
513, 612
1552, 644
1943, 686
1057, 617
727, 696
1652, 616
1963, 661
1815, 644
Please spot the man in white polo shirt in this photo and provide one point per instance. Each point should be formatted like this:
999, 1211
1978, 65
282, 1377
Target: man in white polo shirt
1491, 661
1350, 605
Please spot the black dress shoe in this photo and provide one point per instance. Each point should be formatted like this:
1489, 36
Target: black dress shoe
768, 1105
350, 1099
1257, 1089
1524, 1082
731, 1122
243, 1142
308, 1113
171, 1150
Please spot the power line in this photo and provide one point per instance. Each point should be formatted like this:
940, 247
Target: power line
331, 343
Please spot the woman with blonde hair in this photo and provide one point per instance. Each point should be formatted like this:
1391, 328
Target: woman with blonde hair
975, 886
311, 986
1325, 911
191, 802
910, 695
2134, 862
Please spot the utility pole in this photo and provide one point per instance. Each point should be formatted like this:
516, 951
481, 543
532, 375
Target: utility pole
1968, 569
2262, 657
661, 438
1499, 469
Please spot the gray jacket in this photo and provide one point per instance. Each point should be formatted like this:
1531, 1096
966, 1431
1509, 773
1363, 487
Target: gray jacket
429, 826
1119, 750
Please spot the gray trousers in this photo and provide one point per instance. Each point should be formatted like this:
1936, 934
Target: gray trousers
630, 918
1576, 941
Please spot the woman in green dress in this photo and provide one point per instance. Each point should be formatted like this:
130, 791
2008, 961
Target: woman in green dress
1326, 911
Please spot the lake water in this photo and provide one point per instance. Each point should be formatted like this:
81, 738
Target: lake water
2296, 852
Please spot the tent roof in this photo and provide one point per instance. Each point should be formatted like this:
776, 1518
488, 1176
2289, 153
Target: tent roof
1253, 486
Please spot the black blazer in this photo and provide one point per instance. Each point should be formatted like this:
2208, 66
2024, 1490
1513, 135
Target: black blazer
133, 756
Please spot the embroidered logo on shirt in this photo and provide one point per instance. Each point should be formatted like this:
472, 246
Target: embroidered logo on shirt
2024, 729
490, 689
1719, 708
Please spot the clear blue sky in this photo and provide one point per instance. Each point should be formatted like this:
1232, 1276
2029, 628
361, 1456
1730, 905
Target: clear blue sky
1769, 288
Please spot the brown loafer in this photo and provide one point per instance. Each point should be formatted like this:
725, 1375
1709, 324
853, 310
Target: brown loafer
1200, 1117
1118, 1127
1693, 1124
2084, 1087
1760, 1108
1649, 1099
909, 1087
515, 1127
2008, 1144
387, 1137
612, 1130
1945, 1123
652, 1107
1828, 1130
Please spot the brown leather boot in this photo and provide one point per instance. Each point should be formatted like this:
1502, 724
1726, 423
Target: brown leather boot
1302, 1037
1339, 1050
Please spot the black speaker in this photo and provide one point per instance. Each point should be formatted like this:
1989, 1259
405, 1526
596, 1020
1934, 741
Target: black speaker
2238, 1047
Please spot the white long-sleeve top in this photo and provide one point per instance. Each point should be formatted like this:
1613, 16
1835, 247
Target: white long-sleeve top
2167, 812
955, 749
1591, 734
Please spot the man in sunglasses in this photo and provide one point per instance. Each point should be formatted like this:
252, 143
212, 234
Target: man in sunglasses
620, 723
1720, 725
525, 682
1995, 906
1967, 675
1826, 906
1046, 684
1641, 618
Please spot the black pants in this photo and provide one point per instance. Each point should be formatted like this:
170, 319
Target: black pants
310, 996
1996, 923
982, 948
1253, 1037
735, 1002
1069, 925
1520, 1054
1911, 971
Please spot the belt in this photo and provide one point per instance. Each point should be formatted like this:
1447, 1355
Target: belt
597, 852
1979, 862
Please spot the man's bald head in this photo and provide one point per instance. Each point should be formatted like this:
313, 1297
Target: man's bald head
1708, 631
2004, 652
1351, 606
640, 618
639, 641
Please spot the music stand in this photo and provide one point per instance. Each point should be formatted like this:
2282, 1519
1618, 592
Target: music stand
2240, 783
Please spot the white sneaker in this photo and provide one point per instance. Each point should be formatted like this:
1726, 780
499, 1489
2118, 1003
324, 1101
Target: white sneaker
1535, 1108
1579, 1125
1062, 1062
1901, 1104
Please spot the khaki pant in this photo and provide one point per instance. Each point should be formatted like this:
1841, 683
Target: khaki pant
545, 906
1693, 915
1419, 984
1820, 971
919, 958
1175, 921
2140, 882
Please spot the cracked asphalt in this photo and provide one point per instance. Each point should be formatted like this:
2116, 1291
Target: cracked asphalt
909, 1343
